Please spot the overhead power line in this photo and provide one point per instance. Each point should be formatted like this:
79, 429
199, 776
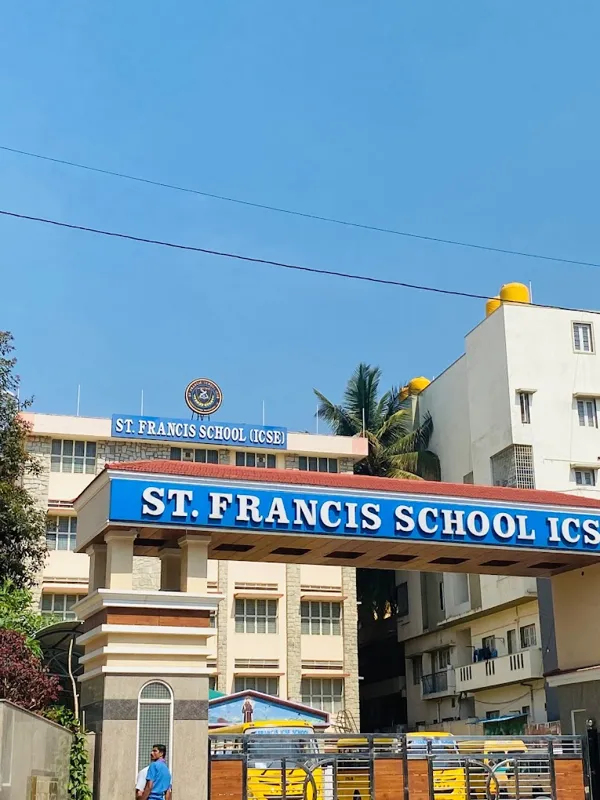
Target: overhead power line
268, 262
303, 214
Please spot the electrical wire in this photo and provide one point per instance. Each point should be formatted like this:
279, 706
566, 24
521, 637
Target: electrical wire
303, 214
268, 262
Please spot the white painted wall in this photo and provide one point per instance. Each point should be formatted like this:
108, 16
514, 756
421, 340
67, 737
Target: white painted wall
476, 414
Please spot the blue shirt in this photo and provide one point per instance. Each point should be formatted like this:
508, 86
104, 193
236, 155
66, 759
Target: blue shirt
159, 774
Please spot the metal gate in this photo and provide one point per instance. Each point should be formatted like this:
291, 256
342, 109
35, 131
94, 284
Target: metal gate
378, 767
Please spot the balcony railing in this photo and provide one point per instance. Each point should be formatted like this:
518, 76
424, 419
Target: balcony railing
435, 683
524, 665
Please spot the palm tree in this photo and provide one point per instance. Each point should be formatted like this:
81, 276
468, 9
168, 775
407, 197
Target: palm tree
397, 449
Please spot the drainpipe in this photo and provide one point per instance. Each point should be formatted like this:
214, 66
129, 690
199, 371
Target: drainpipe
530, 687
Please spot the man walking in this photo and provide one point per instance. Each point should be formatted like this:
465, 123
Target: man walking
158, 777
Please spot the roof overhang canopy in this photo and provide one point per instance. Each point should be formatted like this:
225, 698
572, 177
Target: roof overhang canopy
349, 520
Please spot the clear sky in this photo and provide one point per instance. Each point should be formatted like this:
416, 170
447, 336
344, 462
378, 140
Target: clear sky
473, 119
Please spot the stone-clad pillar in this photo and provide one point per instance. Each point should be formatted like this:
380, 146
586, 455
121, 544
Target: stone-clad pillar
350, 631
223, 627
293, 622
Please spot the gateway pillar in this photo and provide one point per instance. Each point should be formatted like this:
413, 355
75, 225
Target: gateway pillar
145, 678
576, 604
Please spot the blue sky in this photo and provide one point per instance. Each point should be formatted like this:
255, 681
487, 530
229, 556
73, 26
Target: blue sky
472, 120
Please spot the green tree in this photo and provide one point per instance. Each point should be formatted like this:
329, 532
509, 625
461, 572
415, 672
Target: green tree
398, 448
17, 614
22, 524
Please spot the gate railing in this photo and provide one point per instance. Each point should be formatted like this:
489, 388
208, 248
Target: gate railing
272, 766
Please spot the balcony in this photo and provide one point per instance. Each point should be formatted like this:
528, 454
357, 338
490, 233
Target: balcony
526, 665
438, 684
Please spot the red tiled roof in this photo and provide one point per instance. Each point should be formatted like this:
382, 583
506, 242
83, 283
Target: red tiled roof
349, 481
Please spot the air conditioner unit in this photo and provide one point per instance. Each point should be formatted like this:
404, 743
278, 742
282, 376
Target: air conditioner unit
261, 461
187, 455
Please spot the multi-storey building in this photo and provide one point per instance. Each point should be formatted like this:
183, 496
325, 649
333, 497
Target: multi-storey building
519, 409
288, 630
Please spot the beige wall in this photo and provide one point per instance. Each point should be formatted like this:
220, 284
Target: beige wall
30, 746
577, 642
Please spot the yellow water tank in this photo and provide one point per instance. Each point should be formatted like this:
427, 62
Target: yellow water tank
416, 385
492, 304
514, 293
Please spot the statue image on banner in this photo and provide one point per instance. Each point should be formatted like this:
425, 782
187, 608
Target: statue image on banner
247, 710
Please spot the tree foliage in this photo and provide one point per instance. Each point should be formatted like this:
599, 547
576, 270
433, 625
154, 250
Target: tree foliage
23, 679
22, 524
398, 448
17, 613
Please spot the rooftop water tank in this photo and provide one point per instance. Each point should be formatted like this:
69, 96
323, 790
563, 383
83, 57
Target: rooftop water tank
416, 385
492, 304
514, 293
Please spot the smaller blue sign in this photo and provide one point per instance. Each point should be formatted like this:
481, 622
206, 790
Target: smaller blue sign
224, 434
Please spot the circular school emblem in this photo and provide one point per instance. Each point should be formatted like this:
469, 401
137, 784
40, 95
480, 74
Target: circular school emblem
203, 397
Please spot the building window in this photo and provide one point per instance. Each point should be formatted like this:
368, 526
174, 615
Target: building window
526, 710
324, 693
525, 403
441, 594
513, 467
212, 684
511, 641
582, 337
60, 605
402, 598
256, 616
61, 533
417, 670
442, 659
257, 684
528, 636
199, 455
468, 478
492, 714
320, 618
461, 588
155, 720
243, 459
587, 413
585, 477
314, 464
68, 455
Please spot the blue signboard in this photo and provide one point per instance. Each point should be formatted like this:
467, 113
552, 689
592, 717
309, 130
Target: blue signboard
194, 432
396, 517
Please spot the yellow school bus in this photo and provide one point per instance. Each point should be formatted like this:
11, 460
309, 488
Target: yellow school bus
266, 759
499, 758
449, 778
